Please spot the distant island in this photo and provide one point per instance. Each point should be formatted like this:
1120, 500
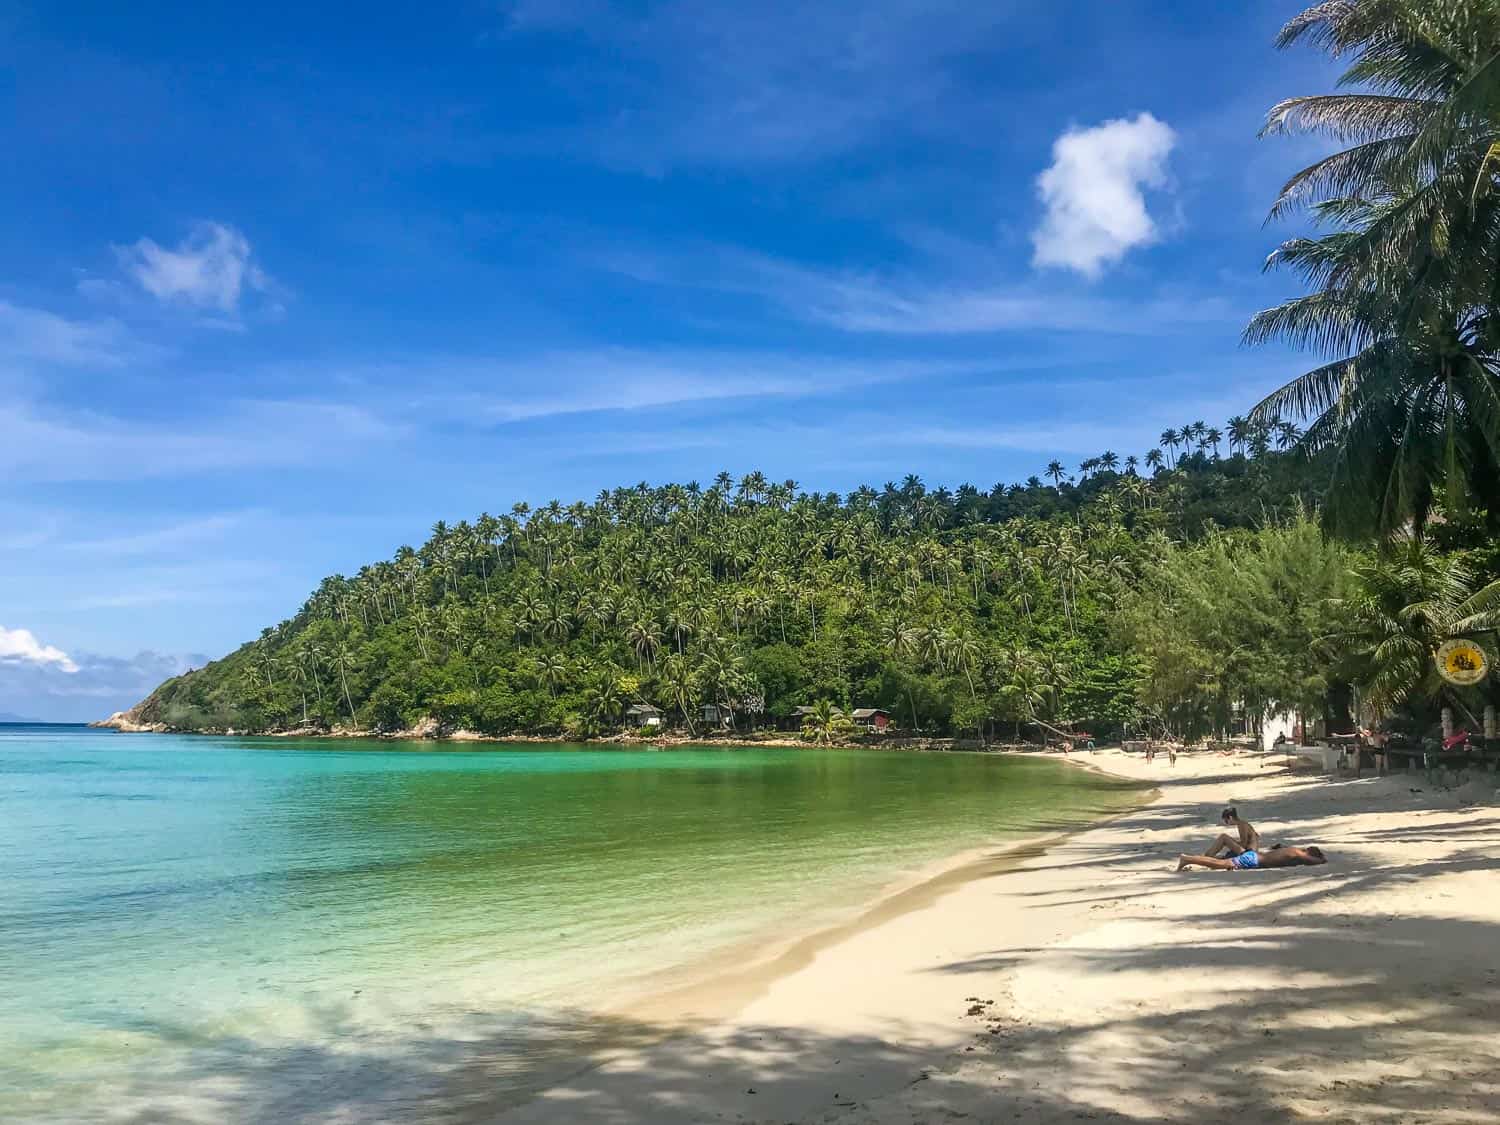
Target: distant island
11, 717
1036, 609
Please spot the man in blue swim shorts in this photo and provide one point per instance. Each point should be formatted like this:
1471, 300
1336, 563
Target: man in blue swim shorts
1251, 860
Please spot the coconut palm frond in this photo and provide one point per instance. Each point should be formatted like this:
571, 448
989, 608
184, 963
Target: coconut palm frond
1343, 173
1349, 117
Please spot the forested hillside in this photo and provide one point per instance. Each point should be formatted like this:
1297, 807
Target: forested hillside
1167, 590
962, 611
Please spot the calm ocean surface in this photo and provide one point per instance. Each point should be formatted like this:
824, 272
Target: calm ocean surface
232, 929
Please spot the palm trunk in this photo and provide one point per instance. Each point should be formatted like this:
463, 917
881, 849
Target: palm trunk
343, 676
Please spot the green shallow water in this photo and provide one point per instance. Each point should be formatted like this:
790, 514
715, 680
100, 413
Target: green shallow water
231, 929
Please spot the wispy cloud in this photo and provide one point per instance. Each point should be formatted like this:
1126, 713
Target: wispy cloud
209, 269
916, 303
165, 538
1094, 193
31, 334
467, 391
624, 380
20, 646
75, 445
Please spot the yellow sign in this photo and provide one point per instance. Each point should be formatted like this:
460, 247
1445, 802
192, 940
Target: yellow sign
1462, 662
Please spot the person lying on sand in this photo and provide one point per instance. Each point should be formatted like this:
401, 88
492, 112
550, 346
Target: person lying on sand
1247, 861
1227, 846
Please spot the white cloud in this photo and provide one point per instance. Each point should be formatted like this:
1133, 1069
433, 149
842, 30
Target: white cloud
21, 646
96, 687
210, 269
1093, 191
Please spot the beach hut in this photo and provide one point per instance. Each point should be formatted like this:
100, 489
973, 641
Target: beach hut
871, 719
642, 715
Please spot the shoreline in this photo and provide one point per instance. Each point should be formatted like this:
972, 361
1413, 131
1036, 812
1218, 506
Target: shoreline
1084, 978
694, 997
121, 723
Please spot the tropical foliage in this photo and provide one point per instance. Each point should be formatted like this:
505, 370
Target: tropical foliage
1235, 625
1403, 281
1406, 603
963, 611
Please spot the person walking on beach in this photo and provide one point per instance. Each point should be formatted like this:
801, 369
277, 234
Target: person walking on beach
1249, 861
1246, 838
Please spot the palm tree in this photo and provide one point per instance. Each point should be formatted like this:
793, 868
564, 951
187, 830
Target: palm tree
1023, 691
1426, 115
343, 660
964, 653
1108, 460
1410, 409
1154, 459
1170, 439
1132, 464
825, 723
552, 670
1404, 287
682, 683
645, 638
1238, 430
1056, 471
602, 699
901, 642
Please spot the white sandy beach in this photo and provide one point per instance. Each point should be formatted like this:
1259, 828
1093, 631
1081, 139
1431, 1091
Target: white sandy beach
1090, 981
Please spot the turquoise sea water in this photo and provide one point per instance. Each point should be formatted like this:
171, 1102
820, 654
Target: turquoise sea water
230, 929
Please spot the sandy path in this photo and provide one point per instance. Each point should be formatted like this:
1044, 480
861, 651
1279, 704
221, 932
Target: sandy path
1363, 991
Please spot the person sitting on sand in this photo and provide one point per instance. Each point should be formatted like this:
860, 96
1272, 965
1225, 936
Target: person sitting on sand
1226, 846
1248, 861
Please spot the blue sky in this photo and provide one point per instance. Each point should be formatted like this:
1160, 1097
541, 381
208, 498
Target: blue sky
280, 285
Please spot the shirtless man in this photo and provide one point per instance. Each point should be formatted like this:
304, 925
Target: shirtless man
1250, 860
1246, 838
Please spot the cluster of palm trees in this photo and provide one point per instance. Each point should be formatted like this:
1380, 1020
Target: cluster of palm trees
1254, 437
1402, 265
674, 595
